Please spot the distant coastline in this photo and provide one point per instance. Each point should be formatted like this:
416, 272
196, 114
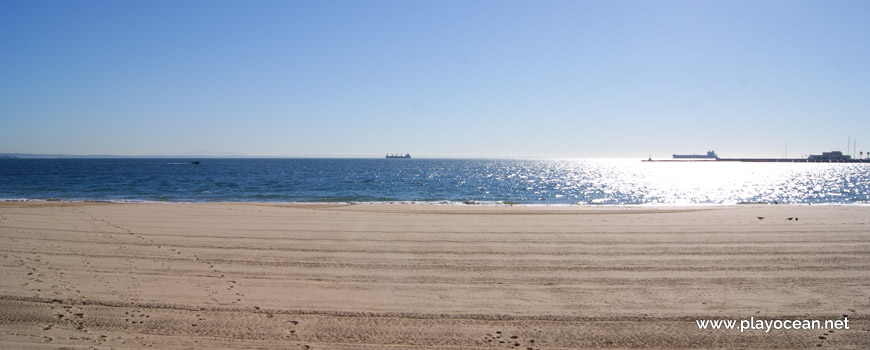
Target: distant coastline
759, 160
825, 157
107, 156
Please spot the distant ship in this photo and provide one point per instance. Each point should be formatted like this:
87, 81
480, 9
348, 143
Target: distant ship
709, 155
406, 156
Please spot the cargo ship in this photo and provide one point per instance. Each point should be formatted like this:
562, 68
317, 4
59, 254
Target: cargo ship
406, 156
710, 155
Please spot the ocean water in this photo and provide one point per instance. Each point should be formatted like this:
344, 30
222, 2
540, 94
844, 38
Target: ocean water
447, 181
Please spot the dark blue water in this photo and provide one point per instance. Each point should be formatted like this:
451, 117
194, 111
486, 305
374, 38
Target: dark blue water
432, 180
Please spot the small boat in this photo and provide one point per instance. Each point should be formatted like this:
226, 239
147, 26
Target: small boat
195, 162
406, 156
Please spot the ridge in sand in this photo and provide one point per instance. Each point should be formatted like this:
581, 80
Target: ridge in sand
375, 276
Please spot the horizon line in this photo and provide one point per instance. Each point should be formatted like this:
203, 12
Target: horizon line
238, 156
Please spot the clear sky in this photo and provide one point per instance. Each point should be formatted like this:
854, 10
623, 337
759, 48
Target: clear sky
434, 78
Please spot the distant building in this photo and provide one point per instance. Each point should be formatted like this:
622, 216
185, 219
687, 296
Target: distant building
833, 156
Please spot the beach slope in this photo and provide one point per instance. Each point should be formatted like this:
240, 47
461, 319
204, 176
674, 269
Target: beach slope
253, 275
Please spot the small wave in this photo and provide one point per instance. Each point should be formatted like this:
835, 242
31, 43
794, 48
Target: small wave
135, 201
413, 202
79, 200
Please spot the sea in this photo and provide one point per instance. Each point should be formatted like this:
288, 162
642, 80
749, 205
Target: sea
434, 181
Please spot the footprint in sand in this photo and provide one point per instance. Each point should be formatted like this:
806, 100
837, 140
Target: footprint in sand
513, 342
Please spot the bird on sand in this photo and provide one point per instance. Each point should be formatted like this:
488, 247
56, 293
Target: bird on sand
790, 219
760, 218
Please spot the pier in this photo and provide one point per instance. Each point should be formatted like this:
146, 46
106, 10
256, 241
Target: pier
792, 160
825, 157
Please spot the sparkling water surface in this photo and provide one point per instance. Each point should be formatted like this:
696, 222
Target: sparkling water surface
550, 181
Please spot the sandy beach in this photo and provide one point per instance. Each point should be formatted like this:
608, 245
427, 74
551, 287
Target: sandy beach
251, 275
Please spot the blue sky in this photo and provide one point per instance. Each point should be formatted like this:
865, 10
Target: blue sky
434, 78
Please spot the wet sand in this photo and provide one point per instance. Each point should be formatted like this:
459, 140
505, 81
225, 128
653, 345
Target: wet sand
250, 275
